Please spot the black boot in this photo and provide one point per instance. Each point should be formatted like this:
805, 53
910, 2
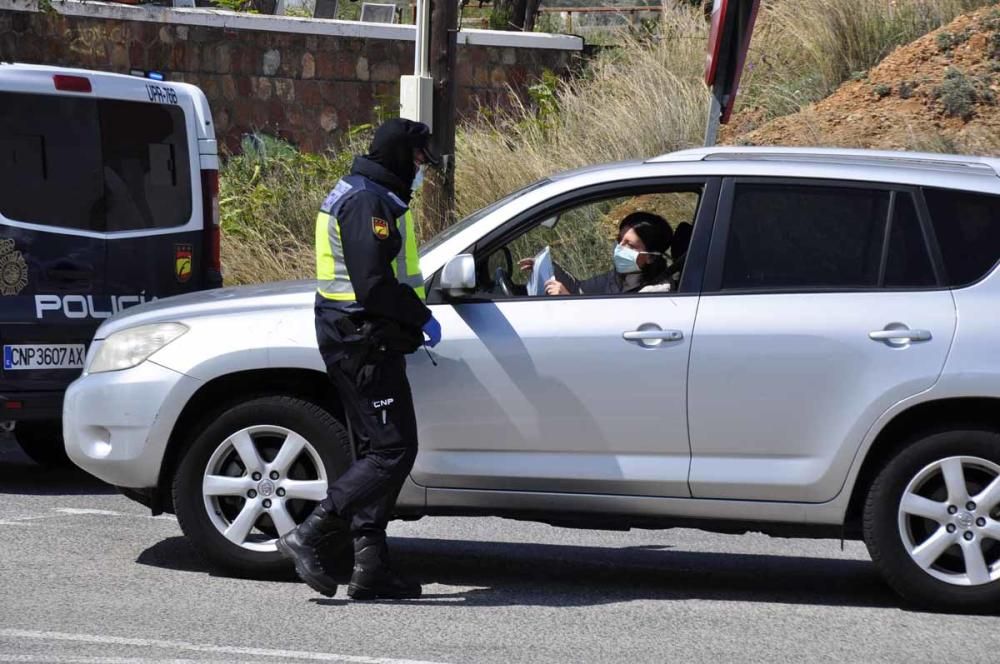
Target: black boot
302, 546
373, 578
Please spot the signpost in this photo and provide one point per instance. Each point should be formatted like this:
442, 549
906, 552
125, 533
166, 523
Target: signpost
732, 27
429, 97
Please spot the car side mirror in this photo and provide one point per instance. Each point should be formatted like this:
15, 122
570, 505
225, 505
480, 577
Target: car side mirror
459, 275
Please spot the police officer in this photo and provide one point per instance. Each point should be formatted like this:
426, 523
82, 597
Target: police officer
370, 313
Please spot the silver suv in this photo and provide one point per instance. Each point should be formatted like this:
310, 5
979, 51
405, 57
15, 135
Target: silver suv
825, 365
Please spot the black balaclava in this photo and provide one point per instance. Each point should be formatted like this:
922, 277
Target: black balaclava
392, 149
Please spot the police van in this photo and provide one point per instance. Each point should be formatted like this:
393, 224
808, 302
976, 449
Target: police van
108, 198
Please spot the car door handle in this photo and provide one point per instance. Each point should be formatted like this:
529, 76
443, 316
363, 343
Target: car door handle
647, 335
900, 335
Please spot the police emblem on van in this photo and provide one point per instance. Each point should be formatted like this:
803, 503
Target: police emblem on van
380, 227
182, 262
13, 269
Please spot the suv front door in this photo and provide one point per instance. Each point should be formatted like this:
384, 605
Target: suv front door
545, 394
822, 308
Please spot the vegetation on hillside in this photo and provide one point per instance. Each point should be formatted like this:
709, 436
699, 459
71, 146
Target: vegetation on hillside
647, 97
268, 199
639, 99
941, 93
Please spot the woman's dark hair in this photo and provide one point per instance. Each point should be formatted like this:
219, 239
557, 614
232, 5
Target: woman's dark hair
655, 233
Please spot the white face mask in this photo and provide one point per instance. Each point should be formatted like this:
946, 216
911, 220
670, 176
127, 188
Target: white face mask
418, 179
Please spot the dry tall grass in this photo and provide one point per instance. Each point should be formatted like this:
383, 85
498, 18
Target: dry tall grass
268, 199
646, 98
640, 99
804, 49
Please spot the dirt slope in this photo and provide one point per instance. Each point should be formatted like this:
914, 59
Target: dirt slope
939, 93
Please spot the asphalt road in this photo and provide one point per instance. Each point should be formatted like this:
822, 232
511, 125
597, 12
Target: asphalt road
88, 576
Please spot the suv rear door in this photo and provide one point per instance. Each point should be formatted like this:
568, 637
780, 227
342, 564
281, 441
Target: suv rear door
822, 308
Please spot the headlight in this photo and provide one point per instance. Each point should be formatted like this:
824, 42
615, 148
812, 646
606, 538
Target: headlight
128, 348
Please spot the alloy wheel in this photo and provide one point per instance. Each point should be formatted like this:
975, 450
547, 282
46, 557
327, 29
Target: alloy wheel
949, 520
260, 483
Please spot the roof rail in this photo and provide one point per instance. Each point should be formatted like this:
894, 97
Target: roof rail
836, 155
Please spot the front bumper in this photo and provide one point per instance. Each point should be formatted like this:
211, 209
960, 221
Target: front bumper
117, 424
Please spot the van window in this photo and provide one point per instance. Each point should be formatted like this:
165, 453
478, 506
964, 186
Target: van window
967, 226
93, 164
50, 161
147, 175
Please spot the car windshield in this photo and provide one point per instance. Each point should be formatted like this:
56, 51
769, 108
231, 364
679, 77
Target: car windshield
460, 226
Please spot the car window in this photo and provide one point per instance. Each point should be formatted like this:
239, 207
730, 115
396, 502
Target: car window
785, 236
50, 161
967, 226
580, 240
908, 263
455, 229
146, 166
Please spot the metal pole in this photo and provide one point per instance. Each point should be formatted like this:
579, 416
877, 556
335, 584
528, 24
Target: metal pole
423, 38
714, 119
439, 191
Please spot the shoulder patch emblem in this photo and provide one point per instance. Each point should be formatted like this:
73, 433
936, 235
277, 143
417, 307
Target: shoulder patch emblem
380, 227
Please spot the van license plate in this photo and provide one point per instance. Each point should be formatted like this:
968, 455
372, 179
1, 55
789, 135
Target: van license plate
48, 356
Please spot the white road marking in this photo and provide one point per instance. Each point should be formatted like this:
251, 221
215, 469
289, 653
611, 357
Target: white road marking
24, 520
50, 659
196, 647
80, 511
77, 510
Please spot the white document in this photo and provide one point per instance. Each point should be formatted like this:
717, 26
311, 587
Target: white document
540, 273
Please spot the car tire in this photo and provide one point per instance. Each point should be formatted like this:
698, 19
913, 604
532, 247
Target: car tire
217, 453
43, 442
921, 536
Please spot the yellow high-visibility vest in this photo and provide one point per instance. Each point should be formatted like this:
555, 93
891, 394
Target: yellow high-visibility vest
333, 281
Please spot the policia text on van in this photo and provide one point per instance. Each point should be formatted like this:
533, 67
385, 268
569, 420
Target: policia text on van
108, 199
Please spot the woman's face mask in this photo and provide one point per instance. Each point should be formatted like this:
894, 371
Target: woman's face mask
626, 260
418, 179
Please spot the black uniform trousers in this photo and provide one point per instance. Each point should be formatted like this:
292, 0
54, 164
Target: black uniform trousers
378, 403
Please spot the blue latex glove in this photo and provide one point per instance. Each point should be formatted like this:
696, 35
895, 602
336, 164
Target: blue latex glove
432, 329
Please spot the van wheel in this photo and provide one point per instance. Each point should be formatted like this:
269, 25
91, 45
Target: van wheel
254, 472
43, 442
932, 521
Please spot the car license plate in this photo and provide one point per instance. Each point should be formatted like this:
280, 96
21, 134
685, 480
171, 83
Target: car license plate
44, 356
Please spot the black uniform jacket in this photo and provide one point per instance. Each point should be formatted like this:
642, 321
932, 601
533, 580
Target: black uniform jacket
368, 253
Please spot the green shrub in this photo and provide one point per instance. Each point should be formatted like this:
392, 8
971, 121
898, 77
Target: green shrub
957, 94
947, 41
882, 90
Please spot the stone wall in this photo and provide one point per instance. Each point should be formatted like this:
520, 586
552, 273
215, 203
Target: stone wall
287, 77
